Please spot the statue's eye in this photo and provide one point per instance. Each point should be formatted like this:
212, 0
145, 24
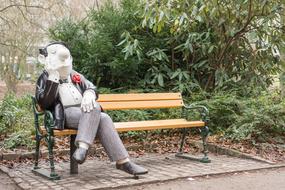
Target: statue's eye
53, 51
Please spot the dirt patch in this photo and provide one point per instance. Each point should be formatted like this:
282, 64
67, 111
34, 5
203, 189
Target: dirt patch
163, 143
23, 88
272, 150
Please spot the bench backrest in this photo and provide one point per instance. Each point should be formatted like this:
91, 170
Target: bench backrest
140, 101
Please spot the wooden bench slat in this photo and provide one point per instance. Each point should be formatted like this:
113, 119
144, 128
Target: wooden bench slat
140, 125
60, 132
141, 104
157, 124
139, 97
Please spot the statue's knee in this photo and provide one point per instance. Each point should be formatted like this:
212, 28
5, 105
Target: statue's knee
97, 107
105, 117
106, 120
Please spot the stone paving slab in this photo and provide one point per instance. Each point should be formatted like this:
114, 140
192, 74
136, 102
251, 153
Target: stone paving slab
95, 174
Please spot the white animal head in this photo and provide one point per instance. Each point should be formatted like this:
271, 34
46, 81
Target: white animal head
56, 56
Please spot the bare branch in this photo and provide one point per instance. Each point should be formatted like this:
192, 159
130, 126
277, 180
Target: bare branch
29, 20
14, 46
20, 5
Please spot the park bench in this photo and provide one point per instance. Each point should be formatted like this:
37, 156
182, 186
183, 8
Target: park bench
123, 102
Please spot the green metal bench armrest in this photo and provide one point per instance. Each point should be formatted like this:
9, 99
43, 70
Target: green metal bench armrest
48, 119
35, 107
204, 112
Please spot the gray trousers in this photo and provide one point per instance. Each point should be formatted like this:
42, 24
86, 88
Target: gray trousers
96, 124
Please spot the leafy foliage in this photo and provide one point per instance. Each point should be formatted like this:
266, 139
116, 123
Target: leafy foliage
199, 47
222, 44
177, 45
141, 115
18, 139
260, 116
16, 121
15, 114
239, 118
260, 119
94, 41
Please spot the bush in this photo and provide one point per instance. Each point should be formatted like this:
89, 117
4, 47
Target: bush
18, 139
185, 46
16, 114
242, 118
259, 117
141, 115
231, 116
93, 43
262, 118
16, 121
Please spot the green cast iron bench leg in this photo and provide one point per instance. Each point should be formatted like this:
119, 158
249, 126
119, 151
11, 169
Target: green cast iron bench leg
204, 134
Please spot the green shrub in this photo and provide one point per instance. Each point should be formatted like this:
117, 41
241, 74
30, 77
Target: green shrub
185, 46
141, 115
262, 118
93, 43
242, 118
224, 109
18, 139
16, 121
15, 114
231, 116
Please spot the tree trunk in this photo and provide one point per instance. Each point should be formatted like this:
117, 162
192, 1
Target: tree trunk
282, 73
10, 77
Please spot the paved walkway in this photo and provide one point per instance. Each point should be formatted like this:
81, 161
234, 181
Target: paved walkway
7, 183
95, 174
268, 179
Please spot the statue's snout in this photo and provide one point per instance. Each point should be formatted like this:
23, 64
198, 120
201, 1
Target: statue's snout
63, 54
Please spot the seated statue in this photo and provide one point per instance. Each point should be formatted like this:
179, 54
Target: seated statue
72, 100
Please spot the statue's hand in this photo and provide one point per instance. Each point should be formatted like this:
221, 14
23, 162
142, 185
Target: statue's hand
53, 74
88, 101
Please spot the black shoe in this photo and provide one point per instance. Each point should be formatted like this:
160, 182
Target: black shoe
80, 155
132, 168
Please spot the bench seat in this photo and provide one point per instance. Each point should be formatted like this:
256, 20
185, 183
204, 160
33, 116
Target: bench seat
131, 101
140, 125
